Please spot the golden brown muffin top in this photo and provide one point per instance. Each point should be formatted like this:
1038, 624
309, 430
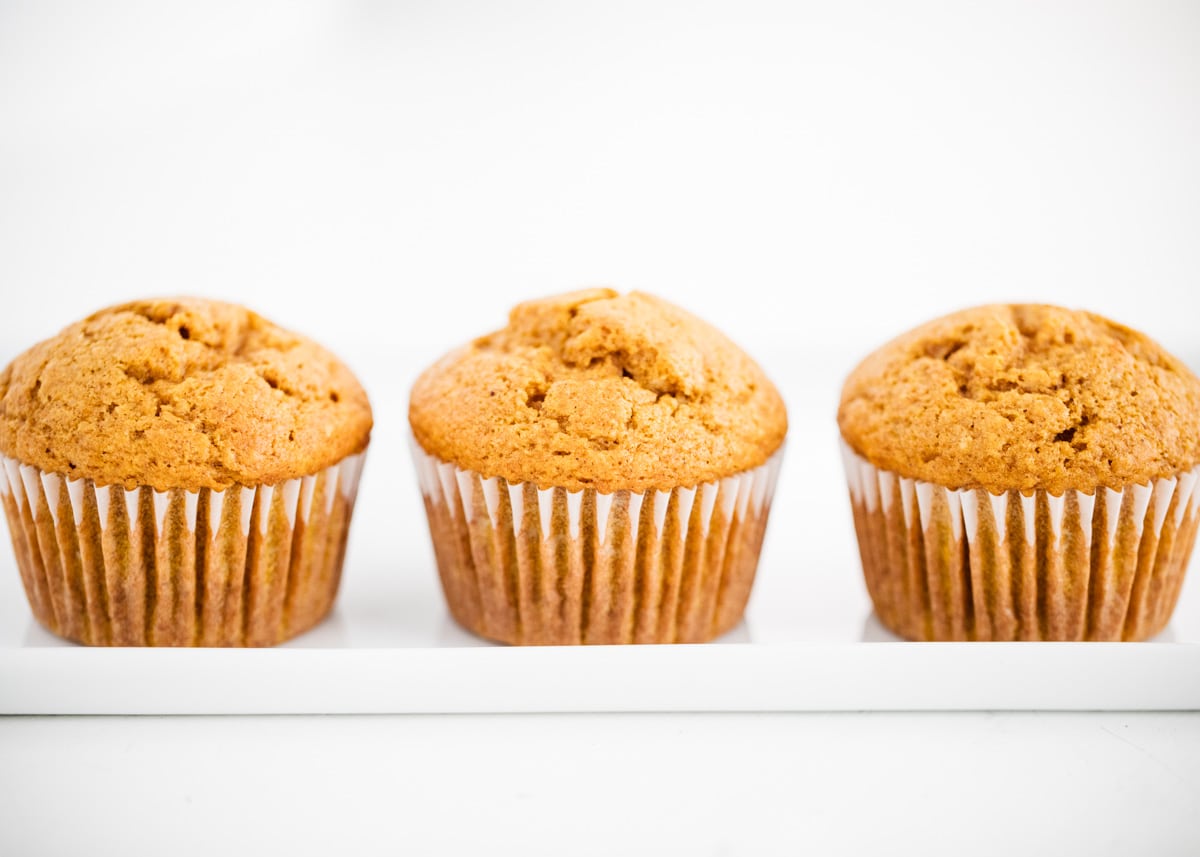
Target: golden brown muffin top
598, 390
180, 393
1024, 397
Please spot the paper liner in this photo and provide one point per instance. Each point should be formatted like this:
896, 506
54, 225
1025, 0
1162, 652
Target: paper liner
551, 567
248, 566
945, 564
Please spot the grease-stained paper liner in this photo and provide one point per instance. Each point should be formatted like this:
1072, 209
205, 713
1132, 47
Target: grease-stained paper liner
945, 564
552, 567
247, 566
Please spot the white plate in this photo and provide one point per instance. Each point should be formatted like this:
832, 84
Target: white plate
809, 641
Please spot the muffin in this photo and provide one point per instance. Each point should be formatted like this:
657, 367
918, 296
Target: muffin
599, 471
180, 473
1023, 472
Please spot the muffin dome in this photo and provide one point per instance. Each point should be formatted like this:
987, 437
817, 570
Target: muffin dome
180, 393
1024, 397
599, 390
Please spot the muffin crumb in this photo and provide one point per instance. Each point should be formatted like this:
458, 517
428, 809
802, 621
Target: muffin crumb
598, 389
180, 393
1024, 397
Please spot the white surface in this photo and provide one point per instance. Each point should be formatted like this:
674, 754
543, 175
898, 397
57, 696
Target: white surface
703, 785
393, 176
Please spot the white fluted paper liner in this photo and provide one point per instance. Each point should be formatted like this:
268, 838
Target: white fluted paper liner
943, 564
245, 566
551, 566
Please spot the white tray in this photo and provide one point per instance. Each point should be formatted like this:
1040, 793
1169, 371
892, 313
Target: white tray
809, 641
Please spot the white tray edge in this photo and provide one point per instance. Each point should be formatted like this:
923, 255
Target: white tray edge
714, 678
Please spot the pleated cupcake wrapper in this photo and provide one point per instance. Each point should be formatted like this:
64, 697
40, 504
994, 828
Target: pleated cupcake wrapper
550, 566
244, 566
944, 564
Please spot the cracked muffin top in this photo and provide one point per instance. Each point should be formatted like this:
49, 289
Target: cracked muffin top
594, 389
180, 393
1024, 397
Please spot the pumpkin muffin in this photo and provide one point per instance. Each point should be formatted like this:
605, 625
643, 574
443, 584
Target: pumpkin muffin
180, 473
599, 471
1023, 472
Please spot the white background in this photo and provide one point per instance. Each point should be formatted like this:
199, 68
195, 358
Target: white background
390, 178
